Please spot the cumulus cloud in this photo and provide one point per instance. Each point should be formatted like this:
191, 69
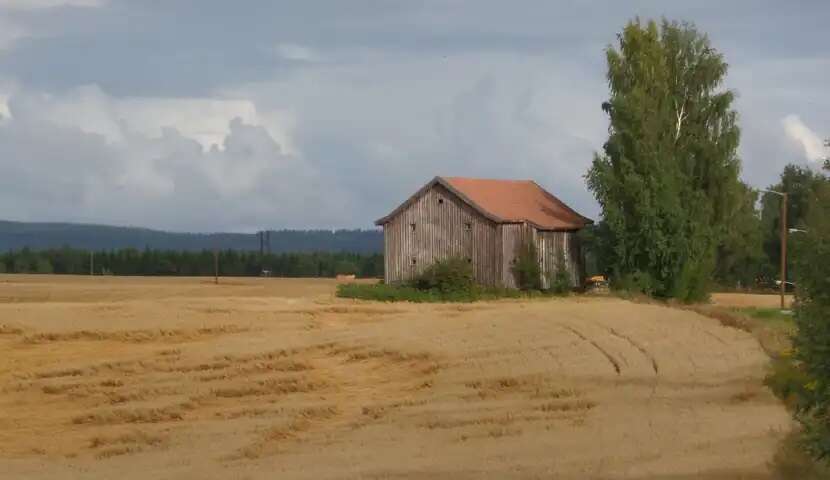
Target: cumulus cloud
205, 120
810, 142
99, 168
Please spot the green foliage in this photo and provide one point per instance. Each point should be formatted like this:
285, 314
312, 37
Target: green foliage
346, 267
597, 244
526, 270
382, 292
42, 265
801, 184
560, 279
769, 315
453, 276
405, 293
170, 262
667, 180
792, 463
787, 380
812, 317
634, 282
449, 280
740, 256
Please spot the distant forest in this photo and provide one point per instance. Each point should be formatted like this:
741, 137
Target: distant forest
130, 261
66, 248
42, 236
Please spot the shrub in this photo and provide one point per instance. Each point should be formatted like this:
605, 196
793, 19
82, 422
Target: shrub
812, 317
346, 267
560, 279
636, 282
787, 380
381, 292
453, 276
527, 271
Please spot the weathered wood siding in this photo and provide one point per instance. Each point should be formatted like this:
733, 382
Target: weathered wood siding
550, 245
512, 236
439, 225
444, 227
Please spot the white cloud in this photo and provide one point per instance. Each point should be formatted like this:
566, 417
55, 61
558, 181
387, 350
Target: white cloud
86, 156
810, 142
205, 120
295, 52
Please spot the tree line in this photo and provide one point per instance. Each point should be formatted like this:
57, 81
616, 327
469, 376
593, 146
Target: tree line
16, 235
748, 254
131, 261
676, 218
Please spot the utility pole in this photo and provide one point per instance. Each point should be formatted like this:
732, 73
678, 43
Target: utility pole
216, 265
92, 262
783, 247
783, 221
827, 158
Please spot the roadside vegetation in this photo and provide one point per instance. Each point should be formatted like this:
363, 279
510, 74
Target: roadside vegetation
811, 342
799, 341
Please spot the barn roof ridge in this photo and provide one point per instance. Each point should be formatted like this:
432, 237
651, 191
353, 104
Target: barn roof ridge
529, 202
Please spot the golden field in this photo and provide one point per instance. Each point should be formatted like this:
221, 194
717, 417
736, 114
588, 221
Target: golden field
136, 378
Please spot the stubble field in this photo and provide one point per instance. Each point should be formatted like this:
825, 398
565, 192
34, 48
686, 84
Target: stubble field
136, 378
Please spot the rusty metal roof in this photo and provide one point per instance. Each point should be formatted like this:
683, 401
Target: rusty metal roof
508, 201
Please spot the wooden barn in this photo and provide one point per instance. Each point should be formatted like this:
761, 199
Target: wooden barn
484, 221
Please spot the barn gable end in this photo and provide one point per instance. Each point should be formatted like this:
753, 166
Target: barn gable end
434, 225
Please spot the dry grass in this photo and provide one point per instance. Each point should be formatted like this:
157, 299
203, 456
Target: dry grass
134, 437
9, 330
272, 386
180, 378
580, 405
133, 336
132, 415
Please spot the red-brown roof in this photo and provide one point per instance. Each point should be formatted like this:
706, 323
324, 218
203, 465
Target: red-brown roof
509, 201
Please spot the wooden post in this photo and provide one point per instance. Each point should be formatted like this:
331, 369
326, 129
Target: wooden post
783, 247
216, 266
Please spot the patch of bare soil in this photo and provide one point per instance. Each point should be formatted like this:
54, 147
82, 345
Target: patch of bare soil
272, 378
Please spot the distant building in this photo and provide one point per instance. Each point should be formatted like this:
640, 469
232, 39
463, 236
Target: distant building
484, 221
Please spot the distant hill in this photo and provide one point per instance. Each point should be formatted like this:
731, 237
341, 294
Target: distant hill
38, 236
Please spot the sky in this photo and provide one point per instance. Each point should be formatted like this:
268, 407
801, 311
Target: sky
209, 115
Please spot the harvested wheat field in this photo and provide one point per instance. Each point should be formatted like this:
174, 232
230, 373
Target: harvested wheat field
137, 378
